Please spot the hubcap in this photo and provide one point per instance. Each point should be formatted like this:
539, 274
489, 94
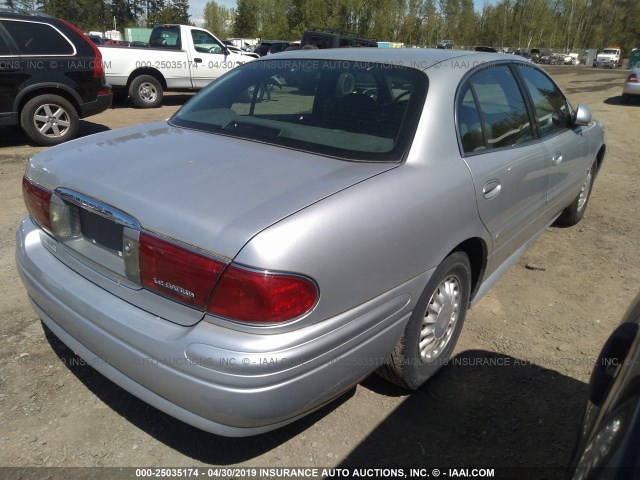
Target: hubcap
52, 120
148, 92
584, 191
440, 318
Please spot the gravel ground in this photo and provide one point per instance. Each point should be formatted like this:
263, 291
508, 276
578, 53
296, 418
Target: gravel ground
513, 395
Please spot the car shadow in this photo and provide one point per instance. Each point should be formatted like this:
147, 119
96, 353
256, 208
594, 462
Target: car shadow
482, 410
15, 137
189, 441
617, 100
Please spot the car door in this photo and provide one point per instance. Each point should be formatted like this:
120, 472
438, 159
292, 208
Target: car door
10, 77
509, 166
568, 147
209, 56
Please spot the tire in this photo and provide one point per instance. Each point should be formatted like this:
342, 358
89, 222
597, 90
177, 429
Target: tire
574, 212
446, 299
49, 120
146, 92
625, 99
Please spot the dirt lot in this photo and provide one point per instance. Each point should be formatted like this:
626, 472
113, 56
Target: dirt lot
540, 328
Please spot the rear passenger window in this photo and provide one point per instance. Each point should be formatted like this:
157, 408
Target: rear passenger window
4, 48
38, 38
552, 111
468, 121
505, 117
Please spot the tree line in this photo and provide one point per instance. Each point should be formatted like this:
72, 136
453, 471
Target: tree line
567, 25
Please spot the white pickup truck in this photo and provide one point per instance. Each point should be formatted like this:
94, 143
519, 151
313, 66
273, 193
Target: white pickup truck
178, 57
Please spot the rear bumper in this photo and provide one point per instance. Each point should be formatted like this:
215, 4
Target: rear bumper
217, 379
99, 105
631, 88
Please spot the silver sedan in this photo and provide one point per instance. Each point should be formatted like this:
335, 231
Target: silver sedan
300, 223
631, 87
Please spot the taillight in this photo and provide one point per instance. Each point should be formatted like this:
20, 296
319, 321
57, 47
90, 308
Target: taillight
98, 68
38, 201
633, 78
261, 296
176, 271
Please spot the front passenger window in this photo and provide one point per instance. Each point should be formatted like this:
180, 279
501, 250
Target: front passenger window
551, 107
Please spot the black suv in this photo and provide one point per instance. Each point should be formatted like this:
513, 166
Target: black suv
271, 46
51, 75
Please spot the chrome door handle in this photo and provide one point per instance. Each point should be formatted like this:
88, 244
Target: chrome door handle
491, 189
557, 158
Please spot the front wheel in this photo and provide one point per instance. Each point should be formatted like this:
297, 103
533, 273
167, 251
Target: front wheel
49, 120
434, 327
574, 212
146, 92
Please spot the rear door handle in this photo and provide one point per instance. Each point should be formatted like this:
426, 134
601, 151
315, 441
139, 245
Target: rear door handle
197, 60
491, 189
557, 158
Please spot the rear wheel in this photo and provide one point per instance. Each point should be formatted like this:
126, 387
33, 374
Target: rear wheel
146, 92
49, 120
574, 212
434, 326
625, 99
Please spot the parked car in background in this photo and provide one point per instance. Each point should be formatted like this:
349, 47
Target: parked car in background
97, 39
116, 43
178, 57
269, 47
607, 445
572, 59
316, 38
51, 75
138, 44
239, 51
248, 260
535, 55
446, 44
631, 87
485, 49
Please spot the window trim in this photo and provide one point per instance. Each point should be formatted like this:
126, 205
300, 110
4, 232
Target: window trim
533, 109
406, 133
525, 97
73, 47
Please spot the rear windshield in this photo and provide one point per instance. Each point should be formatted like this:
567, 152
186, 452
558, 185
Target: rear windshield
352, 110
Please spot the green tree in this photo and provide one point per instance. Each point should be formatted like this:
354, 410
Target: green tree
246, 21
181, 8
217, 19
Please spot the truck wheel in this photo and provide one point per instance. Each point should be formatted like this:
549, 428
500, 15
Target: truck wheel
49, 120
145, 92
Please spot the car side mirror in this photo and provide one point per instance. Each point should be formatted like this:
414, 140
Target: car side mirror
582, 115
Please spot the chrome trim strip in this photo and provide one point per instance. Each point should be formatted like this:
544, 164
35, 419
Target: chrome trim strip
98, 207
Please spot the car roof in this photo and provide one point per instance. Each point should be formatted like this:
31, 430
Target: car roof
25, 15
418, 58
